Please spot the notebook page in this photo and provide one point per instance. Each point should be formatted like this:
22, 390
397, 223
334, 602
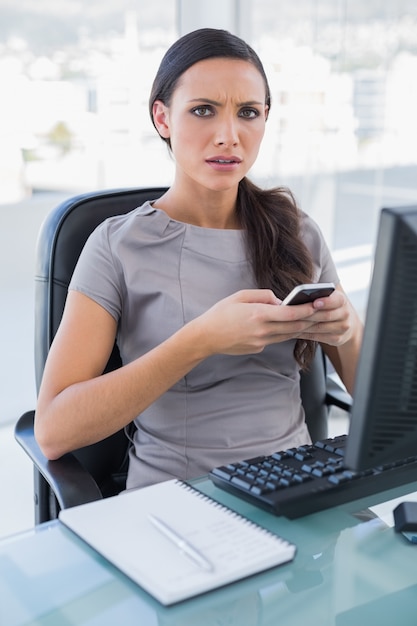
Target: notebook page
120, 529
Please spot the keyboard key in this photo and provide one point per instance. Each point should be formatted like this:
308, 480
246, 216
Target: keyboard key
258, 490
321, 471
223, 472
241, 482
338, 479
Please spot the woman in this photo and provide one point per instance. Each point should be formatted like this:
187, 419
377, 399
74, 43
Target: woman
191, 286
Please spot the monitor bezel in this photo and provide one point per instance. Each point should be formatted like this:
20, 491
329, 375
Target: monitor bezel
360, 453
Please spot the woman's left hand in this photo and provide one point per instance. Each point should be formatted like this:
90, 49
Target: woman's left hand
335, 320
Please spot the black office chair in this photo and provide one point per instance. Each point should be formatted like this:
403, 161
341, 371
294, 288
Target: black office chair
99, 470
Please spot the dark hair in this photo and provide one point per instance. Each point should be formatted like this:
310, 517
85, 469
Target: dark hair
271, 218
205, 43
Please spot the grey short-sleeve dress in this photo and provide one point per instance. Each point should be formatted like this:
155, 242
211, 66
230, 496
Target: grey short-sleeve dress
153, 275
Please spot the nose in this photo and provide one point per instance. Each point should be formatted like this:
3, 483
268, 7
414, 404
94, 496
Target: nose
227, 132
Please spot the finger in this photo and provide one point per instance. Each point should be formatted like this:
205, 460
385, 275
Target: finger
335, 300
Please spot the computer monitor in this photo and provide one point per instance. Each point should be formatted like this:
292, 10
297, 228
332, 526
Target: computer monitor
383, 424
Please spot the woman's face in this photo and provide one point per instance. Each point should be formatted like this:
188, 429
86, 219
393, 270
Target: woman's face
215, 122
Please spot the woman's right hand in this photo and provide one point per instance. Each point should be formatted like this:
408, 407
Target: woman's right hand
249, 320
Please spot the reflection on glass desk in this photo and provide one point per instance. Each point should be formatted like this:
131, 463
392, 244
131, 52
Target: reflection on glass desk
350, 567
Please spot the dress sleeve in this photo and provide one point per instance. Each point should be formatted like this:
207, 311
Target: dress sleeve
97, 274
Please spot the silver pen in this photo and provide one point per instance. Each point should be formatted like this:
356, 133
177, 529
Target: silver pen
181, 543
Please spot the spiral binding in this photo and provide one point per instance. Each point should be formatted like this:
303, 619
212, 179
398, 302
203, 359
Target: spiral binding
230, 512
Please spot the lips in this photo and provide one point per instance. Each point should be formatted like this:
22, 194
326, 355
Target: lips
223, 163
224, 160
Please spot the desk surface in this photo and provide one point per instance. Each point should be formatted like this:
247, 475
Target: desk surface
351, 568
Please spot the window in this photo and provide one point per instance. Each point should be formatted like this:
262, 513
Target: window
343, 116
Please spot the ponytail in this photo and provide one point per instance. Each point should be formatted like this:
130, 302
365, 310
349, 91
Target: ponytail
280, 258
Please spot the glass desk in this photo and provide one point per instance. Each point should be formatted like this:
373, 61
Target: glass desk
350, 569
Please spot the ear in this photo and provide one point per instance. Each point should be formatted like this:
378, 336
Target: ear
160, 114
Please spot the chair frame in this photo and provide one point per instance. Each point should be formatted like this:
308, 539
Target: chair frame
75, 478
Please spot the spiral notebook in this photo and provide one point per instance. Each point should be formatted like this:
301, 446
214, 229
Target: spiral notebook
174, 541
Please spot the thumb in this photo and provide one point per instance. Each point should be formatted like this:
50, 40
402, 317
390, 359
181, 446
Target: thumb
262, 296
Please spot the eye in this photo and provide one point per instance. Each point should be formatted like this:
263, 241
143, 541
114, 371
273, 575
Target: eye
202, 111
249, 113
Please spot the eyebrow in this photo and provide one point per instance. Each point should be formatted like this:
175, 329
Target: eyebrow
215, 103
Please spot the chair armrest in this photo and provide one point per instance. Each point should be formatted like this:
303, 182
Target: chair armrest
336, 394
67, 478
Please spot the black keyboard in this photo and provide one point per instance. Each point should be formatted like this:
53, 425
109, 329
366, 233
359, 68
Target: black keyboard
310, 478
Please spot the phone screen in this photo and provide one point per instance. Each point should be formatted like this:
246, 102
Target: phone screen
307, 293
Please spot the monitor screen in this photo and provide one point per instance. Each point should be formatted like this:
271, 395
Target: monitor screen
383, 425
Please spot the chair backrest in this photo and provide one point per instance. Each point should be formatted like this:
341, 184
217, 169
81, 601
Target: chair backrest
313, 386
61, 239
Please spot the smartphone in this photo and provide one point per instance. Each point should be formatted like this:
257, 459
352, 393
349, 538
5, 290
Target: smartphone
307, 293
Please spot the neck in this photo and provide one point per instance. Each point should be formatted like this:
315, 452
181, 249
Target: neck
207, 208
